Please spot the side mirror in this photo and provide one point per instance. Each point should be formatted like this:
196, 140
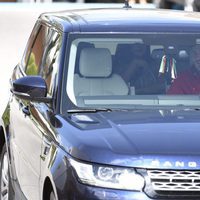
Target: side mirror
32, 88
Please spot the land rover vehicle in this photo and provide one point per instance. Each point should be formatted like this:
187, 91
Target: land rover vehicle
79, 126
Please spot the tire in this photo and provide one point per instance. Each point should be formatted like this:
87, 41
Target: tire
6, 192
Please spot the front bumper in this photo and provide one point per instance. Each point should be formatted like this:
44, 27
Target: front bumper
68, 187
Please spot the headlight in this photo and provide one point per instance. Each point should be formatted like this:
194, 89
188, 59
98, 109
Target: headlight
108, 177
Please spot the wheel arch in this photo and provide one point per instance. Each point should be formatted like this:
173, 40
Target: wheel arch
47, 188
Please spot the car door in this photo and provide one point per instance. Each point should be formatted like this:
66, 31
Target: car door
27, 124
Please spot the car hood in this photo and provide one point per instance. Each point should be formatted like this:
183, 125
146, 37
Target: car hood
139, 138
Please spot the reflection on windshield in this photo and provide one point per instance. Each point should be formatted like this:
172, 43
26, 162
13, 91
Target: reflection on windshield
130, 70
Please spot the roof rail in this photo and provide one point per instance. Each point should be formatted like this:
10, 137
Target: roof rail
126, 2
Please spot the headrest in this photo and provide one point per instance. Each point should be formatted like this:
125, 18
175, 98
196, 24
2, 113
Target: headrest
95, 62
183, 54
80, 47
157, 54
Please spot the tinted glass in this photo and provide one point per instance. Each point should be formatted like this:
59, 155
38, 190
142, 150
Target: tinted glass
124, 71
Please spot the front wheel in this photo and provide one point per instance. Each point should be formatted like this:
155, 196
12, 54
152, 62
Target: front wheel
5, 184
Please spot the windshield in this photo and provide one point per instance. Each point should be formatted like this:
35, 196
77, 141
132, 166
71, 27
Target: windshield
130, 70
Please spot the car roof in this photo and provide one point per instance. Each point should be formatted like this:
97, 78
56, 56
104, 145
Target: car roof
124, 20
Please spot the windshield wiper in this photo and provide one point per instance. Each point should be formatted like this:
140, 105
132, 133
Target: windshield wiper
89, 110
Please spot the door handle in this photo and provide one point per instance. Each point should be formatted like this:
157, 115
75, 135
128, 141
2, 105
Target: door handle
46, 148
25, 110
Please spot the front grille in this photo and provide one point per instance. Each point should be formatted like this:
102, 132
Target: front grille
174, 181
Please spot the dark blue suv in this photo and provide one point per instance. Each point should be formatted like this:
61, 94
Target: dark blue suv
105, 104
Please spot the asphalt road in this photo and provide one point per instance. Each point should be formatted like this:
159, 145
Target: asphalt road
16, 23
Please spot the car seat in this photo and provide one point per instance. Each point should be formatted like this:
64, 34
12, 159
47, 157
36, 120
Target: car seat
96, 78
80, 47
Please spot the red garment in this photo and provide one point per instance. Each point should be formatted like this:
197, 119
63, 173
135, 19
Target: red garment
187, 83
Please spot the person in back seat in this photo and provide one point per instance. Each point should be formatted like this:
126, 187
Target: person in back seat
189, 81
